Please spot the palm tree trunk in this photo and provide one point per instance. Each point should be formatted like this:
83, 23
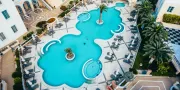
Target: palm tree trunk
85, 5
66, 27
100, 18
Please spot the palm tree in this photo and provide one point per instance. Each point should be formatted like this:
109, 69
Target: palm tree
69, 52
102, 8
85, 4
147, 20
66, 19
158, 51
145, 8
155, 32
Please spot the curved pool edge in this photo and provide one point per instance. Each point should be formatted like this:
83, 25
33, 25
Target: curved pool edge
42, 49
85, 19
65, 85
84, 68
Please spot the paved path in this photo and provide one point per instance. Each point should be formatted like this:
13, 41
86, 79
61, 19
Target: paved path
151, 83
8, 67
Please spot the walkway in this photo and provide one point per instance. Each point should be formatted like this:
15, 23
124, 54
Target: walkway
8, 67
151, 83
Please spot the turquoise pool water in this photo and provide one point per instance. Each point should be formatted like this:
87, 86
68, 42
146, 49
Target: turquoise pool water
120, 4
83, 16
57, 70
92, 69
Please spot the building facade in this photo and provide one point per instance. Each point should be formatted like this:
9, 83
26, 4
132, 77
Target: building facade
166, 7
11, 24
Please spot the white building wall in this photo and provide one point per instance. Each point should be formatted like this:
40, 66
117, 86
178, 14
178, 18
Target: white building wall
5, 25
163, 9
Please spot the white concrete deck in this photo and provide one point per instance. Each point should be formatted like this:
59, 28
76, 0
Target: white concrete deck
108, 67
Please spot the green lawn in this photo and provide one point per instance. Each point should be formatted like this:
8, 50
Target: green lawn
141, 59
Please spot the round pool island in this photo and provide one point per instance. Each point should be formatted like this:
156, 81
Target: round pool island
91, 69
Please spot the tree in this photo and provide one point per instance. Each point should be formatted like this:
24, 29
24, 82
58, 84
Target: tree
66, 19
158, 50
145, 8
69, 52
102, 8
155, 32
163, 68
147, 20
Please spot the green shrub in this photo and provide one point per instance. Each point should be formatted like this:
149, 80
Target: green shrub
39, 31
18, 86
77, 1
71, 2
42, 24
17, 80
16, 74
24, 37
17, 53
171, 18
30, 34
133, 70
64, 8
70, 6
63, 13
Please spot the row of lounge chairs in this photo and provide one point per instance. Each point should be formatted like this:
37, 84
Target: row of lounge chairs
29, 73
115, 45
133, 43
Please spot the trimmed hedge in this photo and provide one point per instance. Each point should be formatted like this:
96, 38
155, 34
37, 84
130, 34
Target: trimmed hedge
17, 74
42, 24
63, 13
26, 37
171, 18
39, 31
64, 8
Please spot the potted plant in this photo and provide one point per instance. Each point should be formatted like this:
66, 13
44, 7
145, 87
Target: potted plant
70, 55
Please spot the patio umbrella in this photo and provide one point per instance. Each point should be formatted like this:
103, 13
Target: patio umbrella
66, 19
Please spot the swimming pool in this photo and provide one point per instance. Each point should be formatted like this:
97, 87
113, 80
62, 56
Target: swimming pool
59, 71
120, 4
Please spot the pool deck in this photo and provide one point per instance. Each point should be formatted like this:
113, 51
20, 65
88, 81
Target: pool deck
108, 67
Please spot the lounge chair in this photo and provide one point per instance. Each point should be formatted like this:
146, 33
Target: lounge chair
134, 31
126, 55
108, 58
25, 51
127, 61
115, 46
27, 64
27, 76
113, 77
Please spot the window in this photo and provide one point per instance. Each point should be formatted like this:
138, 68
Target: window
5, 13
14, 28
170, 9
2, 37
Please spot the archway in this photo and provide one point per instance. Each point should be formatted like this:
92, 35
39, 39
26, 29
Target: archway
19, 10
27, 6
